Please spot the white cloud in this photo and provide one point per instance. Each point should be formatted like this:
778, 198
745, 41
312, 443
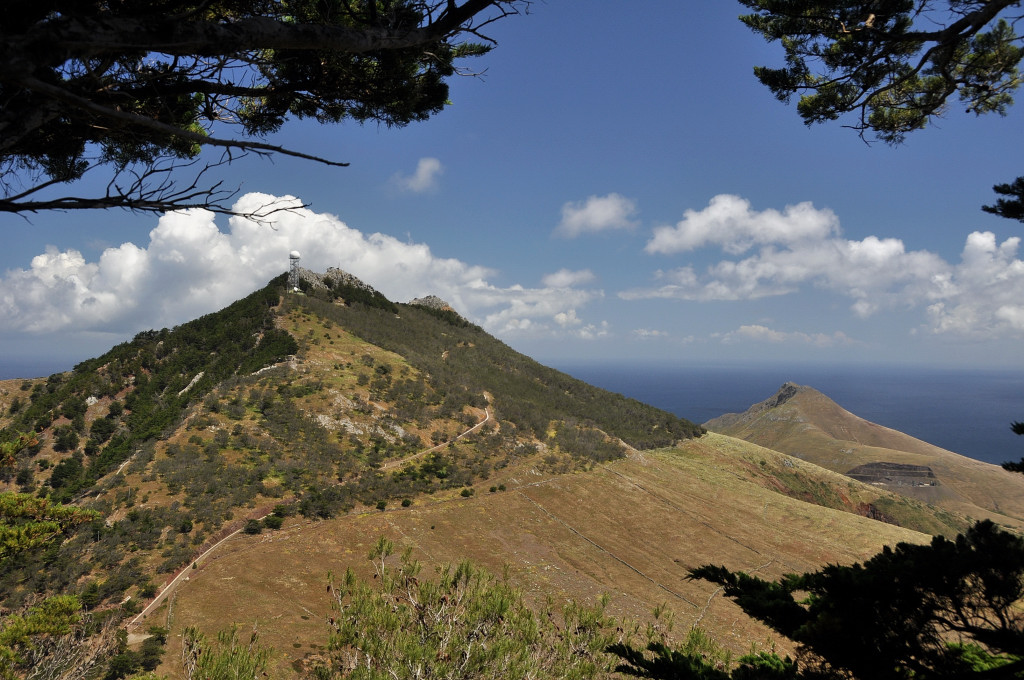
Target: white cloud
190, 267
592, 331
565, 278
426, 177
802, 246
597, 213
649, 333
984, 295
729, 222
546, 310
568, 319
759, 333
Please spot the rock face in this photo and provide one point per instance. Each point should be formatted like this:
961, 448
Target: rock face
332, 277
433, 302
785, 393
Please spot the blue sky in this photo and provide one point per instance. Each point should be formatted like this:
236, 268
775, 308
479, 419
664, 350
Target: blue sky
616, 186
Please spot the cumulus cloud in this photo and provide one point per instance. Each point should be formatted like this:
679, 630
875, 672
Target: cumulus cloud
760, 333
540, 311
596, 214
565, 278
984, 294
426, 178
802, 246
729, 222
190, 267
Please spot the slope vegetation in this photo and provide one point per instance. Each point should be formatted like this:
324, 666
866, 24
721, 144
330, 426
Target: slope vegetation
231, 462
317, 403
628, 528
803, 422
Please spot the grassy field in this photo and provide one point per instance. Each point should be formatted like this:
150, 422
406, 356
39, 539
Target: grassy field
629, 529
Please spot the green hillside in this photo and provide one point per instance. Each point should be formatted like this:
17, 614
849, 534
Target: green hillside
174, 435
465, 361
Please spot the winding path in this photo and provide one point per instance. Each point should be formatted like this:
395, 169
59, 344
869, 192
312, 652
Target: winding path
183, 574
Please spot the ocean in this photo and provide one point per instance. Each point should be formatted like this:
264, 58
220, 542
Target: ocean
965, 411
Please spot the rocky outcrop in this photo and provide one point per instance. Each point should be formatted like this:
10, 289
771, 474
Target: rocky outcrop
785, 393
894, 474
331, 278
432, 302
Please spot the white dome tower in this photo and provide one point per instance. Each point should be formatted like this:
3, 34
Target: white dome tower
293, 270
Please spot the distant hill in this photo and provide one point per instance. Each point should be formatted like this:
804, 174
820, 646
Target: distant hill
802, 422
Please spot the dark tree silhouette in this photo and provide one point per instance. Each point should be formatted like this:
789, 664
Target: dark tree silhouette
888, 67
947, 609
1018, 428
1011, 207
141, 88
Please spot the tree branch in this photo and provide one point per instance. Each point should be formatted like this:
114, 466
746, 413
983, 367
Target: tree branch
72, 36
146, 122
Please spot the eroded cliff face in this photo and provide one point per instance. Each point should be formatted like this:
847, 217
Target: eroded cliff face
729, 423
433, 302
333, 276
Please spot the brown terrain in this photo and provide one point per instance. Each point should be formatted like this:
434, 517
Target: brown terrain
802, 422
629, 529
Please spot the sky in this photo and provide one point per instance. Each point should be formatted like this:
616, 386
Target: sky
610, 184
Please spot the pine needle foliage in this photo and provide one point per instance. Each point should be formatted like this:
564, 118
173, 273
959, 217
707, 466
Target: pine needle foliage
465, 623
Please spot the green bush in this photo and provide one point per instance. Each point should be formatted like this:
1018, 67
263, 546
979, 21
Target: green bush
466, 624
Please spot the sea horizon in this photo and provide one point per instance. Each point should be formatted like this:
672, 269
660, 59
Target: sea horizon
965, 410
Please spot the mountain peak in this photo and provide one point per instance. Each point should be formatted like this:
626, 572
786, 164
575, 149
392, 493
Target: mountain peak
433, 302
785, 393
332, 278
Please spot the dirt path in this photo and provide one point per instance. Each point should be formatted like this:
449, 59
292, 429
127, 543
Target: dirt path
185, 573
402, 461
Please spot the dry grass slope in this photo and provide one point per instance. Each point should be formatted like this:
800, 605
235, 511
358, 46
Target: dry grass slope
630, 529
803, 422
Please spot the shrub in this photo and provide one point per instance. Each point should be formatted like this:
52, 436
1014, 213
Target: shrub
253, 526
467, 624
